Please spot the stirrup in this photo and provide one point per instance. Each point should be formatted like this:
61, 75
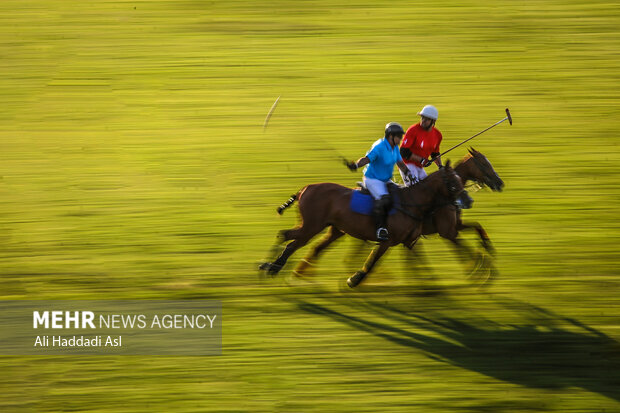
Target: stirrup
382, 234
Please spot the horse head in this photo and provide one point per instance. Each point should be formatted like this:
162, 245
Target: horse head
481, 171
440, 187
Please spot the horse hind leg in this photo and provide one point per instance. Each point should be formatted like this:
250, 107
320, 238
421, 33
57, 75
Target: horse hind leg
304, 234
276, 249
289, 234
310, 259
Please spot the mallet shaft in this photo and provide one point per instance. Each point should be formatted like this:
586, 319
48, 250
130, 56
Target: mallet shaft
508, 118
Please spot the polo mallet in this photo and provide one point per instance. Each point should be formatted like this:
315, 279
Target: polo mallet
273, 107
508, 117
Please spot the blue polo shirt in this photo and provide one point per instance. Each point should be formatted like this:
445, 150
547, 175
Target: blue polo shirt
382, 160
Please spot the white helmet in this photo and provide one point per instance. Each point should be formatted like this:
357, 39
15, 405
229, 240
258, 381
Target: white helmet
429, 111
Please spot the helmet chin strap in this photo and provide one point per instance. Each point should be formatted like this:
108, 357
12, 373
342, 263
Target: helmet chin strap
392, 140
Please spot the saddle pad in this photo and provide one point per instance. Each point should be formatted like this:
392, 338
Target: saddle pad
362, 203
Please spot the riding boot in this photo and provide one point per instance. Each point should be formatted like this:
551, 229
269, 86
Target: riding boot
379, 213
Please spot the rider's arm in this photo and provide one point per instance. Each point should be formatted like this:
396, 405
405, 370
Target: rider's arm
406, 153
361, 162
436, 152
402, 166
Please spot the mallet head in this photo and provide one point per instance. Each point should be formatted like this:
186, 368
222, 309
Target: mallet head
508, 116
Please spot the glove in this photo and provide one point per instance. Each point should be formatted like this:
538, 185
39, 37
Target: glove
352, 166
409, 179
425, 163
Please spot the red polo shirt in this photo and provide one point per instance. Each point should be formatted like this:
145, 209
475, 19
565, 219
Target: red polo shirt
421, 142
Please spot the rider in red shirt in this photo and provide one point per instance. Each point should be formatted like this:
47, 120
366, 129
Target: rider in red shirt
421, 142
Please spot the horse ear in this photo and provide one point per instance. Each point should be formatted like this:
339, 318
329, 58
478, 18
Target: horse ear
448, 164
471, 150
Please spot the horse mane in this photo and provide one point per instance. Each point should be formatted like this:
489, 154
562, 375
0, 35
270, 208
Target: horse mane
472, 153
465, 159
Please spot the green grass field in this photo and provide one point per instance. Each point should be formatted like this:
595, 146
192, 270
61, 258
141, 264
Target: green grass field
133, 165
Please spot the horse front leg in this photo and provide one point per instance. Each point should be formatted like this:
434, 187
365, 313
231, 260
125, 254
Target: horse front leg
484, 237
374, 256
473, 261
309, 260
358, 251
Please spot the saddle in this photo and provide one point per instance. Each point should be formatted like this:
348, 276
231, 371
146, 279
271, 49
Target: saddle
362, 201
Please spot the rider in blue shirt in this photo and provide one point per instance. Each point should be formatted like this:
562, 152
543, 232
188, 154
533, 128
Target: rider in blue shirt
380, 161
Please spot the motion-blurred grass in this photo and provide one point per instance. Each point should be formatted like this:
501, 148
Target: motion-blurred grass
133, 164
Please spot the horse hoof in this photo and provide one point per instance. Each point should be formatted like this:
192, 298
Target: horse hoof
271, 268
356, 279
274, 269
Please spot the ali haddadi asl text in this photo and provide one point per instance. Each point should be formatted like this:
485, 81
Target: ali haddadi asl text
78, 341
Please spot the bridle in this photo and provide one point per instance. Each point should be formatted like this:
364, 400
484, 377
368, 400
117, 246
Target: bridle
484, 170
452, 187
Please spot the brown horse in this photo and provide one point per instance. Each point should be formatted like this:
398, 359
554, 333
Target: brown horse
327, 205
446, 220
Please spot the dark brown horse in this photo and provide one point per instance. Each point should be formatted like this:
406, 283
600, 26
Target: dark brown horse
446, 220
327, 205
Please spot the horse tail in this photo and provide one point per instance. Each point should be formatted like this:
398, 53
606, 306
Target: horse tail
287, 204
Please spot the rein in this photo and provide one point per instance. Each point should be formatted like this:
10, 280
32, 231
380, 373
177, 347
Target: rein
417, 217
434, 206
475, 186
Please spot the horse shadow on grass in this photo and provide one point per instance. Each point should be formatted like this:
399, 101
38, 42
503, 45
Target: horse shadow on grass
548, 352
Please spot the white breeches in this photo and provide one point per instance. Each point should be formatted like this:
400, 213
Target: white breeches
417, 172
376, 187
